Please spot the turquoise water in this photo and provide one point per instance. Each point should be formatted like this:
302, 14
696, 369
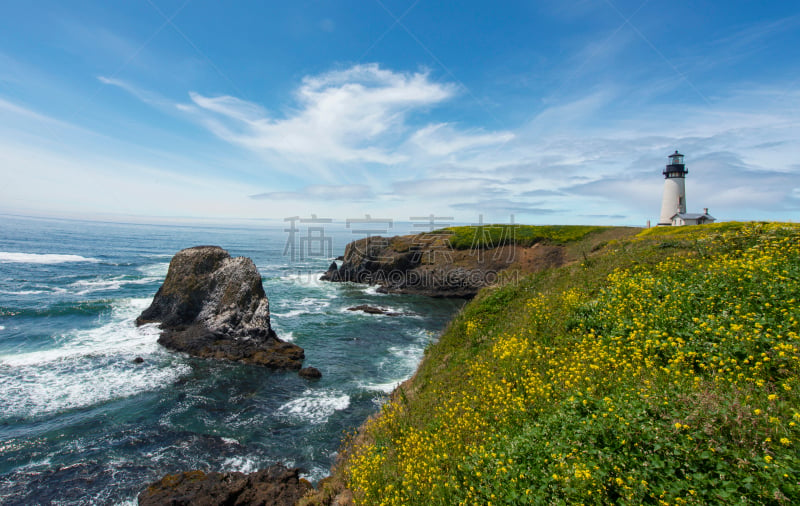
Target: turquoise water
81, 423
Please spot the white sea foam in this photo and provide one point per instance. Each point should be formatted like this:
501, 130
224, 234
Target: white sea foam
308, 305
291, 314
87, 367
21, 292
384, 387
313, 302
2, 328
408, 356
241, 464
85, 286
315, 406
373, 290
41, 258
316, 474
405, 360
158, 270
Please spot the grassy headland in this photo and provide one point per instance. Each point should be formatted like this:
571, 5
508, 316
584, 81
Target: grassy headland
493, 236
661, 369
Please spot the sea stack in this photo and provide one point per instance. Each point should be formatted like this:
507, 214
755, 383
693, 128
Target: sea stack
214, 306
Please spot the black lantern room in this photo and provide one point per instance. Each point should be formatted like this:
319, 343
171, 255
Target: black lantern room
675, 168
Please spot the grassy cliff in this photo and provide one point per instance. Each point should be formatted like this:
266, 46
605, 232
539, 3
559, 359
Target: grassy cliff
659, 369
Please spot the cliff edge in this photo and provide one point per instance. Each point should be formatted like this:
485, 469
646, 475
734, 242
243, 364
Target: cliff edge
458, 261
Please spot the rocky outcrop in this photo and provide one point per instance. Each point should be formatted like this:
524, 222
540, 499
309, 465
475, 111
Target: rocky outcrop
310, 373
275, 485
422, 264
214, 306
378, 310
332, 274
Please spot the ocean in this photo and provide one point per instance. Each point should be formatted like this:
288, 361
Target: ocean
81, 423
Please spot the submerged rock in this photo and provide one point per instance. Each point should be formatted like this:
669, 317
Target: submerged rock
214, 306
377, 310
275, 485
310, 373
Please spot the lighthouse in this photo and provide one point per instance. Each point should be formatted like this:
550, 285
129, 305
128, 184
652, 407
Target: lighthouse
674, 199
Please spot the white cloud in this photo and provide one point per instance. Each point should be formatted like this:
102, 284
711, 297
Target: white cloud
143, 95
442, 139
446, 187
321, 192
345, 116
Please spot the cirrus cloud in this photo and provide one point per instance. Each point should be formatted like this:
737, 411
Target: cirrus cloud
320, 192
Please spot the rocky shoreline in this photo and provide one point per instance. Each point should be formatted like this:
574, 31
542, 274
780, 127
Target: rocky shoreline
416, 264
275, 485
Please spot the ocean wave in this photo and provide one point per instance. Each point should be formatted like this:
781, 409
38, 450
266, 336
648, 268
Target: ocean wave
7, 257
86, 286
316, 474
373, 290
316, 406
308, 305
408, 356
291, 314
386, 387
158, 270
90, 308
241, 464
87, 367
117, 336
22, 292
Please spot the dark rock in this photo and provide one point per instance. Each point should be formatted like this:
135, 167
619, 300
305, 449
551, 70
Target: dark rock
214, 306
332, 274
427, 264
367, 309
275, 485
138, 360
310, 373
340, 258
422, 264
378, 310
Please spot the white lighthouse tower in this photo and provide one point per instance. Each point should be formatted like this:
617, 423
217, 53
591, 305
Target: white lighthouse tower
674, 199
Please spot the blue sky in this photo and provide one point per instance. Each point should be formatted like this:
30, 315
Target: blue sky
554, 111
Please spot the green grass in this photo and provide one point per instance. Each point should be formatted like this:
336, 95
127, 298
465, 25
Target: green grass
492, 236
663, 369
701, 230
